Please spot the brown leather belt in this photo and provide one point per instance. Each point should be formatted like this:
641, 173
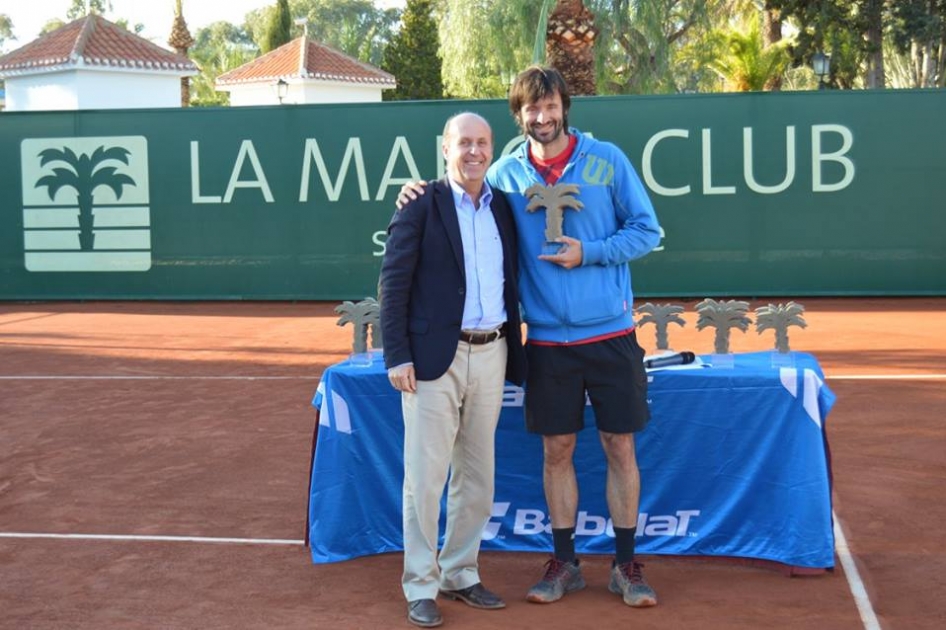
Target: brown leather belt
479, 338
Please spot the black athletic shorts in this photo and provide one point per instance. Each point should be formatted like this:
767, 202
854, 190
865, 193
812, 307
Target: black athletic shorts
610, 371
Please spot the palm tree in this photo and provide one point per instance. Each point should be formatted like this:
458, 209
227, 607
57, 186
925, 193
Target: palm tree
778, 318
217, 58
745, 63
661, 316
723, 316
85, 173
360, 314
569, 45
555, 199
181, 40
772, 33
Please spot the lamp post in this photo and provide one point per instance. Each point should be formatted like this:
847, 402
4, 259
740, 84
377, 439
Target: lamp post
821, 64
282, 88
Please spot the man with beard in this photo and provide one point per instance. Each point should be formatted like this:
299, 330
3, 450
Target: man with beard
579, 310
578, 305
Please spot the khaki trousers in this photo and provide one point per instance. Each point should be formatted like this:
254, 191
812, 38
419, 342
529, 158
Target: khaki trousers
450, 425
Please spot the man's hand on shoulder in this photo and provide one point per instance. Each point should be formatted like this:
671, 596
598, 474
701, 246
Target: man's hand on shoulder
409, 192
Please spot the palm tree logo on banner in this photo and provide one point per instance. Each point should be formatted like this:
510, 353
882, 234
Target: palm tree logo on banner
86, 204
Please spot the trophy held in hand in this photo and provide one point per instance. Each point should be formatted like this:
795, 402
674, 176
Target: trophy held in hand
555, 199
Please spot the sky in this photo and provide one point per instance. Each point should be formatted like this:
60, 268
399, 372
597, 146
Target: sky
29, 16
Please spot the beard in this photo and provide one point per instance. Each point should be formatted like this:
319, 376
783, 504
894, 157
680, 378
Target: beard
550, 136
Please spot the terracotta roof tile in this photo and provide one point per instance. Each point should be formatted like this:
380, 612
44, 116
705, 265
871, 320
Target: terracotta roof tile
304, 58
91, 41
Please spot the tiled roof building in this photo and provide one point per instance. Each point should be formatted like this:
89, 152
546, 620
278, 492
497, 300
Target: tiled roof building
94, 42
312, 72
92, 63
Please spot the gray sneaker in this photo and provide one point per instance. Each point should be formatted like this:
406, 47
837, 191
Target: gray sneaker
628, 581
560, 578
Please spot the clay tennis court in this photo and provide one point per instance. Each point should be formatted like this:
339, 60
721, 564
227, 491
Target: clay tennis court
154, 463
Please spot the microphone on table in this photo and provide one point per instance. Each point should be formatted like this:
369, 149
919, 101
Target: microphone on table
680, 358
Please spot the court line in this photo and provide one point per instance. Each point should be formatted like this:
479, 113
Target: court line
157, 378
91, 377
191, 539
861, 598
858, 591
884, 377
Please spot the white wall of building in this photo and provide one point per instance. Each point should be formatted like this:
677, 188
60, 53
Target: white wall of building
92, 89
306, 92
52, 90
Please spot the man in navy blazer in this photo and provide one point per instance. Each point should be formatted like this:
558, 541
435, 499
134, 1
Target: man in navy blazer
452, 337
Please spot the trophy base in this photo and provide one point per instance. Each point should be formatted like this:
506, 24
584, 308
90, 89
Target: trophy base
551, 248
361, 359
725, 361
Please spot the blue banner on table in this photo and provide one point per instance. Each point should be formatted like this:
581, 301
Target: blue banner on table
733, 463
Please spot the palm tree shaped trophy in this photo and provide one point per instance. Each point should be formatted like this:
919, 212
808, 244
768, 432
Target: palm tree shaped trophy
555, 199
723, 316
661, 316
362, 315
779, 317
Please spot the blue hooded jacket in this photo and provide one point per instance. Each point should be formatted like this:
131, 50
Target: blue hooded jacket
617, 224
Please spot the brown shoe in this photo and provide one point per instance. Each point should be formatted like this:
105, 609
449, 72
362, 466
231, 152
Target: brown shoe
424, 613
476, 596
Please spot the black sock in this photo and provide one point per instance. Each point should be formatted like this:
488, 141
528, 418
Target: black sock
624, 542
564, 541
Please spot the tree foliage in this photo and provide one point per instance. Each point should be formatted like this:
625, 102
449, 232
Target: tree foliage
643, 46
51, 25
919, 31
6, 29
81, 8
279, 27
648, 46
848, 30
354, 27
484, 43
743, 60
218, 48
413, 56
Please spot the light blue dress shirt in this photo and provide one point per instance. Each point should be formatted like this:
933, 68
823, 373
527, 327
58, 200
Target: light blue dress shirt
484, 307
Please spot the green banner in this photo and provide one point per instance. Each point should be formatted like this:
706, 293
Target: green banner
781, 194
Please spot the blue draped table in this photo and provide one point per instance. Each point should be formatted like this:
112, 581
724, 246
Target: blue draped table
733, 463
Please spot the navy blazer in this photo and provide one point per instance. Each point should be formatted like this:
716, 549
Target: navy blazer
423, 284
